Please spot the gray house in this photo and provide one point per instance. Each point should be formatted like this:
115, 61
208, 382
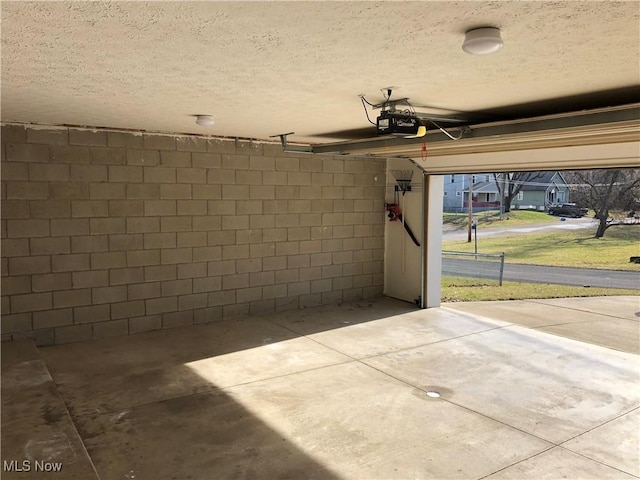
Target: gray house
535, 194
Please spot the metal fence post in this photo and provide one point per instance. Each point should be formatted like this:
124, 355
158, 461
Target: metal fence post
501, 267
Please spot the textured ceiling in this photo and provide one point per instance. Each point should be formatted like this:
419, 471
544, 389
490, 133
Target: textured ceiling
263, 68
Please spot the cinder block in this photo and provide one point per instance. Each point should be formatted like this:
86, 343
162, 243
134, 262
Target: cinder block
88, 137
108, 156
113, 328
143, 191
27, 190
363, 256
31, 302
287, 164
311, 164
352, 294
125, 276
175, 159
191, 144
192, 270
236, 192
274, 263
224, 267
193, 301
145, 324
161, 305
206, 160
287, 248
207, 192
235, 311
143, 291
251, 294
192, 239
95, 278
15, 247
130, 309
235, 162
88, 173
143, 225
137, 258
332, 165
297, 261
177, 319
221, 146
362, 280
310, 273
159, 175
258, 279
14, 133
333, 192
237, 222
176, 255
192, 207
124, 174
233, 252
331, 271
125, 140
332, 297
70, 154
273, 234
98, 226
14, 171
72, 298
29, 265
208, 284
69, 190
49, 245
322, 179
287, 276
129, 241
205, 223
16, 284
69, 263
107, 191
143, 157
341, 283
5, 308
26, 228
216, 238
262, 192
261, 250
176, 224
353, 218
177, 287
343, 180
333, 245
159, 142
20, 322
352, 269
267, 163
298, 288
106, 260
372, 267
275, 206
275, 178
52, 318
126, 208
252, 236
208, 254
89, 208
207, 315
48, 282
216, 299
114, 294
27, 152
48, 136
311, 300
274, 291
91, 314
239, 280
89, 243
159, 273
73, 333
159, 240
175, 191
157, 208
249, 177
310, 246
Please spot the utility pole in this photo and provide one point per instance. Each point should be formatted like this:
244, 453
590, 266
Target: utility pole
470, 221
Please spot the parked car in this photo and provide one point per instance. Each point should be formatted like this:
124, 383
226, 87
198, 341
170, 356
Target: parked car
567, 210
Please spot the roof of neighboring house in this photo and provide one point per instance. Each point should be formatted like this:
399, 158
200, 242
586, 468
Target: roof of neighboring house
484, 187
542, 182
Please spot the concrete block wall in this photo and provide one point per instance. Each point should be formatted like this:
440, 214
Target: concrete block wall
110, 233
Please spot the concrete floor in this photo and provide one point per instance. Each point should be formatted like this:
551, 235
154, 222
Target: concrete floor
539, 389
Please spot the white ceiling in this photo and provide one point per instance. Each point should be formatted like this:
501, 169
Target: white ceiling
263, 68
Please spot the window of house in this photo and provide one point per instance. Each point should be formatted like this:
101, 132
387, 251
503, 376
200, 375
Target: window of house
520, 195
445, 194
458, 194
486, 178
453, 178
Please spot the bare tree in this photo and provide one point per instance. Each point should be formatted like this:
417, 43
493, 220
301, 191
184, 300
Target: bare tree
510, 184
606, 190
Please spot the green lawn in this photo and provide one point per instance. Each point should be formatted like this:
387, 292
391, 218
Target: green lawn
491, 218
576, 248
461, 289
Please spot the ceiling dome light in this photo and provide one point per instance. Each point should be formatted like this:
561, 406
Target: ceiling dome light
205, 120
482, 41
